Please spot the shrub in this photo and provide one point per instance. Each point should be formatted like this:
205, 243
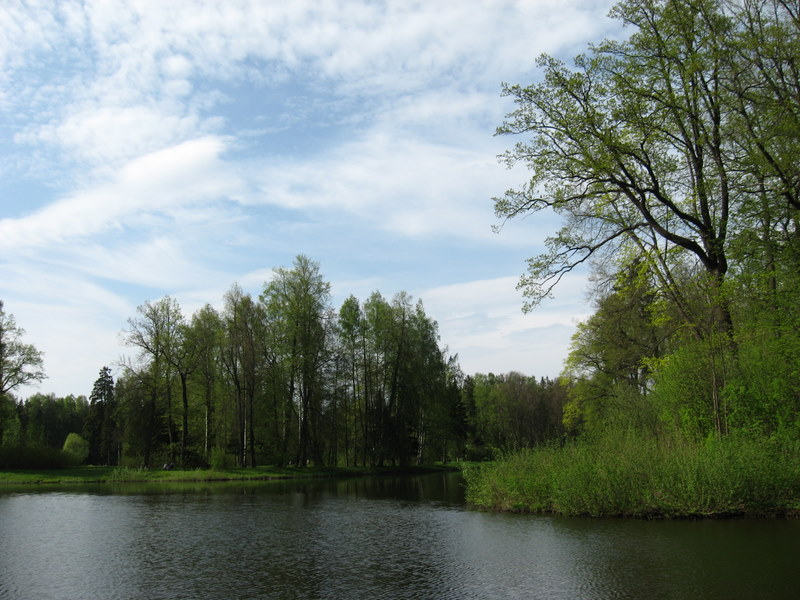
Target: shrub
77, 448
33, 457
220, 459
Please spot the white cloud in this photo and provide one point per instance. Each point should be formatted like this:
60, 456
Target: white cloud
482, 321
160, 262
131, 111
109, 135
160, 182
407, 186
73, 321
142, 57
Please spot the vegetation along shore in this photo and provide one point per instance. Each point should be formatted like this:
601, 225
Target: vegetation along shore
92, 474
671, 157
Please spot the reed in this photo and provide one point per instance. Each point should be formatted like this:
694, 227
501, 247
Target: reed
630, 474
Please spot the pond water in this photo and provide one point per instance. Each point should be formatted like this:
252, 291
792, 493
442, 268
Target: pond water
402, 537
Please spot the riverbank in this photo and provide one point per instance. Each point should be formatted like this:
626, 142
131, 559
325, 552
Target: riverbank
91, 474
630, 475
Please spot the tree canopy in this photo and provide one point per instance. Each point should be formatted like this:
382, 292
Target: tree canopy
658, 147
20, 363
671, 156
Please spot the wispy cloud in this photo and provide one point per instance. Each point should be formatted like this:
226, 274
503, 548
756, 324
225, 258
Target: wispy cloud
481, 320
156, 183
177, 147
405, 185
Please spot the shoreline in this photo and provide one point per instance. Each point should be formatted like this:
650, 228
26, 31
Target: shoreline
95, 475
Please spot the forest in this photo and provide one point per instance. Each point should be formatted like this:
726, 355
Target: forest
282, 379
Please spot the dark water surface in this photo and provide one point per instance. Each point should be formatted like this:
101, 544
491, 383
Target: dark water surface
366, 538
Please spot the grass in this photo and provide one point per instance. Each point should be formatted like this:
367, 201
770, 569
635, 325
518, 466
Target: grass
628, 474
91, 474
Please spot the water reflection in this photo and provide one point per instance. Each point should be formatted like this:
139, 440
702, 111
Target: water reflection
403, 537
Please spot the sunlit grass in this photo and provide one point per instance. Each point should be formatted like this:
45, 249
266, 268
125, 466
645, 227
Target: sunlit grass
633, 475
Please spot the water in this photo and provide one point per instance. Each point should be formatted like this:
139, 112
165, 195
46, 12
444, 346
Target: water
369, 538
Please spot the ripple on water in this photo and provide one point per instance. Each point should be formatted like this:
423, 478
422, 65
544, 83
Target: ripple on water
393, 540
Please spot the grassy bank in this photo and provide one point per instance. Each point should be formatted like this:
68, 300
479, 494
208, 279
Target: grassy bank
632, 475
123, 474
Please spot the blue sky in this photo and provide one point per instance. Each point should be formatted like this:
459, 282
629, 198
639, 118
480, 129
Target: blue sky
176, 148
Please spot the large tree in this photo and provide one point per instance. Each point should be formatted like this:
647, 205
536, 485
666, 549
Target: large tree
158, 331
100, 429
641, 148
297, 303
661, 151
20, 363
765, 82
206, 334
243, 361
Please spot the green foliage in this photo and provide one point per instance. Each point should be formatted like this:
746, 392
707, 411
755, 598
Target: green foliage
100, 427
513, 411
220, 459
627, 473
33, 457
76, 447
20, 363
685, 393
43, 420
120, 474
669, 155
284, 379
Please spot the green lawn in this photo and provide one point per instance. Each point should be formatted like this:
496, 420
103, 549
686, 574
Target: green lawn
122, 474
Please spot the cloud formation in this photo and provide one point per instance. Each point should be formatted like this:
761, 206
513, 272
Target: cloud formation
153, 148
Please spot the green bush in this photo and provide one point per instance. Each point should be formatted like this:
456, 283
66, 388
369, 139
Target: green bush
220, 459
33, 457
77, 448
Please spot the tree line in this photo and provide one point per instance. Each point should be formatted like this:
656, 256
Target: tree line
286, 379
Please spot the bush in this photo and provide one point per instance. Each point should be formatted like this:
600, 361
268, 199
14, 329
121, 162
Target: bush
220, 459
33, 457
77, 448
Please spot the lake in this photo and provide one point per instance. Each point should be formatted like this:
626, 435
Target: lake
392, 537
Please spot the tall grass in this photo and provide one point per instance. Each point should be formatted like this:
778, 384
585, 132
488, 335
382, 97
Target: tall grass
630, 474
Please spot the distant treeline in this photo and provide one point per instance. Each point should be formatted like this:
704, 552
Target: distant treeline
285, 379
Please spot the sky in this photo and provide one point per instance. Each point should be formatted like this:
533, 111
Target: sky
152, 148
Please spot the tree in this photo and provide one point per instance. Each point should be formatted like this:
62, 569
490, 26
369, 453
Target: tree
20, 363
351, 340
158, 333
662, 149
766, 89
141, 413
100, 428
513, 411
243, 362
206, 333
297, 304
76, 447
612, 353
630, 148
